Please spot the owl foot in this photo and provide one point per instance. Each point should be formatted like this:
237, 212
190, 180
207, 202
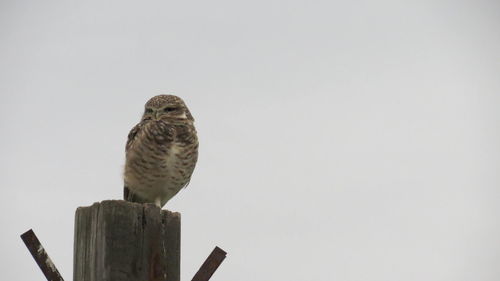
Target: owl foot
158, 202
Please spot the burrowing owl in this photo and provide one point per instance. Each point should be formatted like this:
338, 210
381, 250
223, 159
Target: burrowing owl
161, 152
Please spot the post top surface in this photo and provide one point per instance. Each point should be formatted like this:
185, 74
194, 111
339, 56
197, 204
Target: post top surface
127, 204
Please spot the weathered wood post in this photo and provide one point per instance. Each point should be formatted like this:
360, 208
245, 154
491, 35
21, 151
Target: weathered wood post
123, 241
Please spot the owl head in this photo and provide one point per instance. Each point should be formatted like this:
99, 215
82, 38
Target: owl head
166, 107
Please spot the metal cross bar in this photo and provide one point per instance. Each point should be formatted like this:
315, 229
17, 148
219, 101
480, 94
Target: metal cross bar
42, 259
210, 265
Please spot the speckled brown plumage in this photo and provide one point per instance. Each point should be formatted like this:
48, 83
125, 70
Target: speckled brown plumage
161, 152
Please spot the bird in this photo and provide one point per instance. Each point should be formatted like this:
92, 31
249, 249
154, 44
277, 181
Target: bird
161, 152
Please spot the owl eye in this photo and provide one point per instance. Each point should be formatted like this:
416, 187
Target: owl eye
149, 110
169, 109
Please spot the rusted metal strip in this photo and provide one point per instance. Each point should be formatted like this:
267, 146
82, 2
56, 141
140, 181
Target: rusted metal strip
42, 259
210, 265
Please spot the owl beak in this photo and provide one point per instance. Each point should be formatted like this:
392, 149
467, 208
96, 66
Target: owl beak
157, 115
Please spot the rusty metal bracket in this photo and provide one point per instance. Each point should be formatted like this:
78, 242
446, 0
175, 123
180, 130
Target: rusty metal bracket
40, 255
210, 265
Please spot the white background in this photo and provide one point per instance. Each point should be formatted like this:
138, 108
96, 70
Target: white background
339, 140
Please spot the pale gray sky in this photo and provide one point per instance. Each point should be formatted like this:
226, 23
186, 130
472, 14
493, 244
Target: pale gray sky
340, 140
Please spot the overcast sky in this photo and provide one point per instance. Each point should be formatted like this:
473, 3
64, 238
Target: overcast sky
339, 140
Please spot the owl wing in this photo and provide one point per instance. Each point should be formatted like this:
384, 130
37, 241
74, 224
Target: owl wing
127, 193
131, 135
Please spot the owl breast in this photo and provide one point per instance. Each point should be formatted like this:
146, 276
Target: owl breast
160, 160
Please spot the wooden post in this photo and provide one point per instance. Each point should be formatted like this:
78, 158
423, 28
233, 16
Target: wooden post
123, 241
